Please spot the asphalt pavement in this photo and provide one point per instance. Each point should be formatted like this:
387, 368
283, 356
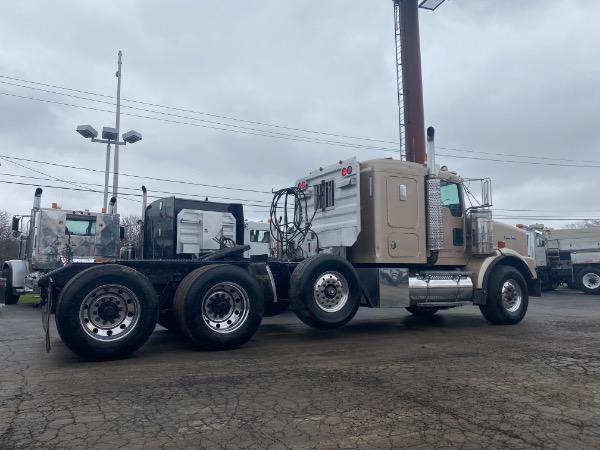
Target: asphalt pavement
385, 380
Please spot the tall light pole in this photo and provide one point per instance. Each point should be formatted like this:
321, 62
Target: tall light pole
111, 135
116, 163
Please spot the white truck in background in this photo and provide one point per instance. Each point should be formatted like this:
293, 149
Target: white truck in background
50, 238
566, 256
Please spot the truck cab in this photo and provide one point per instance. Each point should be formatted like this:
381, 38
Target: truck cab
399, 219
50, 238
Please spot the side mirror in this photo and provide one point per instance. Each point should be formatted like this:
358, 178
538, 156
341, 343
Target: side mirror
122, 233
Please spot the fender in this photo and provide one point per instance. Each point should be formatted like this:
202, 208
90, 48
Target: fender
508, 257
19, 269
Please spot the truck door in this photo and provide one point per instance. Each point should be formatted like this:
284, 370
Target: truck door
540, 256
453, 219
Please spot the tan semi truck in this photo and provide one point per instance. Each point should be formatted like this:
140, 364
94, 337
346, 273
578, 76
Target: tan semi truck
381, 234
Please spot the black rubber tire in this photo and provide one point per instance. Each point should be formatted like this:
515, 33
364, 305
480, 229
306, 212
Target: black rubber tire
195, 310
312, 310
9, 297
549, 285
120, 284
588, 280
506, 284
421, 311
274, 309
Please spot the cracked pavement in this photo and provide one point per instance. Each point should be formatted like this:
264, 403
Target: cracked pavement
385, 380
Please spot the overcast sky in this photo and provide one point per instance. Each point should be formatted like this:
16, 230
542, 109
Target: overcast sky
510, 86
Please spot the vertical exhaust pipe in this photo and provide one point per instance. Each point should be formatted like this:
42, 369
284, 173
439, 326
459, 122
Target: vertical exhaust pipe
37, 199
144, 201
142, 233
37, 204
111, 205
430, 151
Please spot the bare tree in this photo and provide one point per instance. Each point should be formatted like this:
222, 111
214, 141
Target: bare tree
133, 229
9, 245
587, 223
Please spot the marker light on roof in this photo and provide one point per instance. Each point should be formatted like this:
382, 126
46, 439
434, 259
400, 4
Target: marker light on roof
344, 171
349, 170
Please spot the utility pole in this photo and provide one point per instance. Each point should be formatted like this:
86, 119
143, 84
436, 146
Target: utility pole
408, 74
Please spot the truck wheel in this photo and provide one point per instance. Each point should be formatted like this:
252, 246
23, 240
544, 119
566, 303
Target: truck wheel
421, 311
9, 297
219, 307
106, 312
508, 297
325, 291
588, 279
274, 309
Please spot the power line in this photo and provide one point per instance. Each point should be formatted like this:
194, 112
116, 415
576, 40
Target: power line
153, 191
37, 171
64, 188
207, 114
258, 132
521, 162
137, 176
518, 156
308, 139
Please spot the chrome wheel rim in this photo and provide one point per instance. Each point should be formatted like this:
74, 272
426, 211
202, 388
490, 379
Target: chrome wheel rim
331, 292
225, 307
591, 280
512, 295
109, 313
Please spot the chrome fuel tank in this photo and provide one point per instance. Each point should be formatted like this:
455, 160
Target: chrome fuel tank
398, 287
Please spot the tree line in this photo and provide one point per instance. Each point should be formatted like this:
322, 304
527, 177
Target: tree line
9, 244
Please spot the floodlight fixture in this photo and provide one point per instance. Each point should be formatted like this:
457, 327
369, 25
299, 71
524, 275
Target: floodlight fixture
131, 137
430, 4
87, 131
110, 133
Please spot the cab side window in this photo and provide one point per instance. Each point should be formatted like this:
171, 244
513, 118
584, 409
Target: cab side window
451, 197
539, 241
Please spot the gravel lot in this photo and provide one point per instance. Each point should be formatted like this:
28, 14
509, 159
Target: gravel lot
386, 380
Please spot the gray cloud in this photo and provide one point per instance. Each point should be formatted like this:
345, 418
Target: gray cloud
506, 77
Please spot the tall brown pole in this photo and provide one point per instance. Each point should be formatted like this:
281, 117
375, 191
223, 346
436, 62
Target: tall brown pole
412, 85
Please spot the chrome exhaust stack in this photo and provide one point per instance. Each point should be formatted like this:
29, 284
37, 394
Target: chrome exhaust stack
111, 205
37, 199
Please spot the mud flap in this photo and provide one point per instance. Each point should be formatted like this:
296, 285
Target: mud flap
46, 315
262, 273
479, 297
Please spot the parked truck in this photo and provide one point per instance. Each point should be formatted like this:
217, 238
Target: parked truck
50, 238
566, 256
381, 233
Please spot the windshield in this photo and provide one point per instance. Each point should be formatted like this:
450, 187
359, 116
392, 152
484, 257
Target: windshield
81, 226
